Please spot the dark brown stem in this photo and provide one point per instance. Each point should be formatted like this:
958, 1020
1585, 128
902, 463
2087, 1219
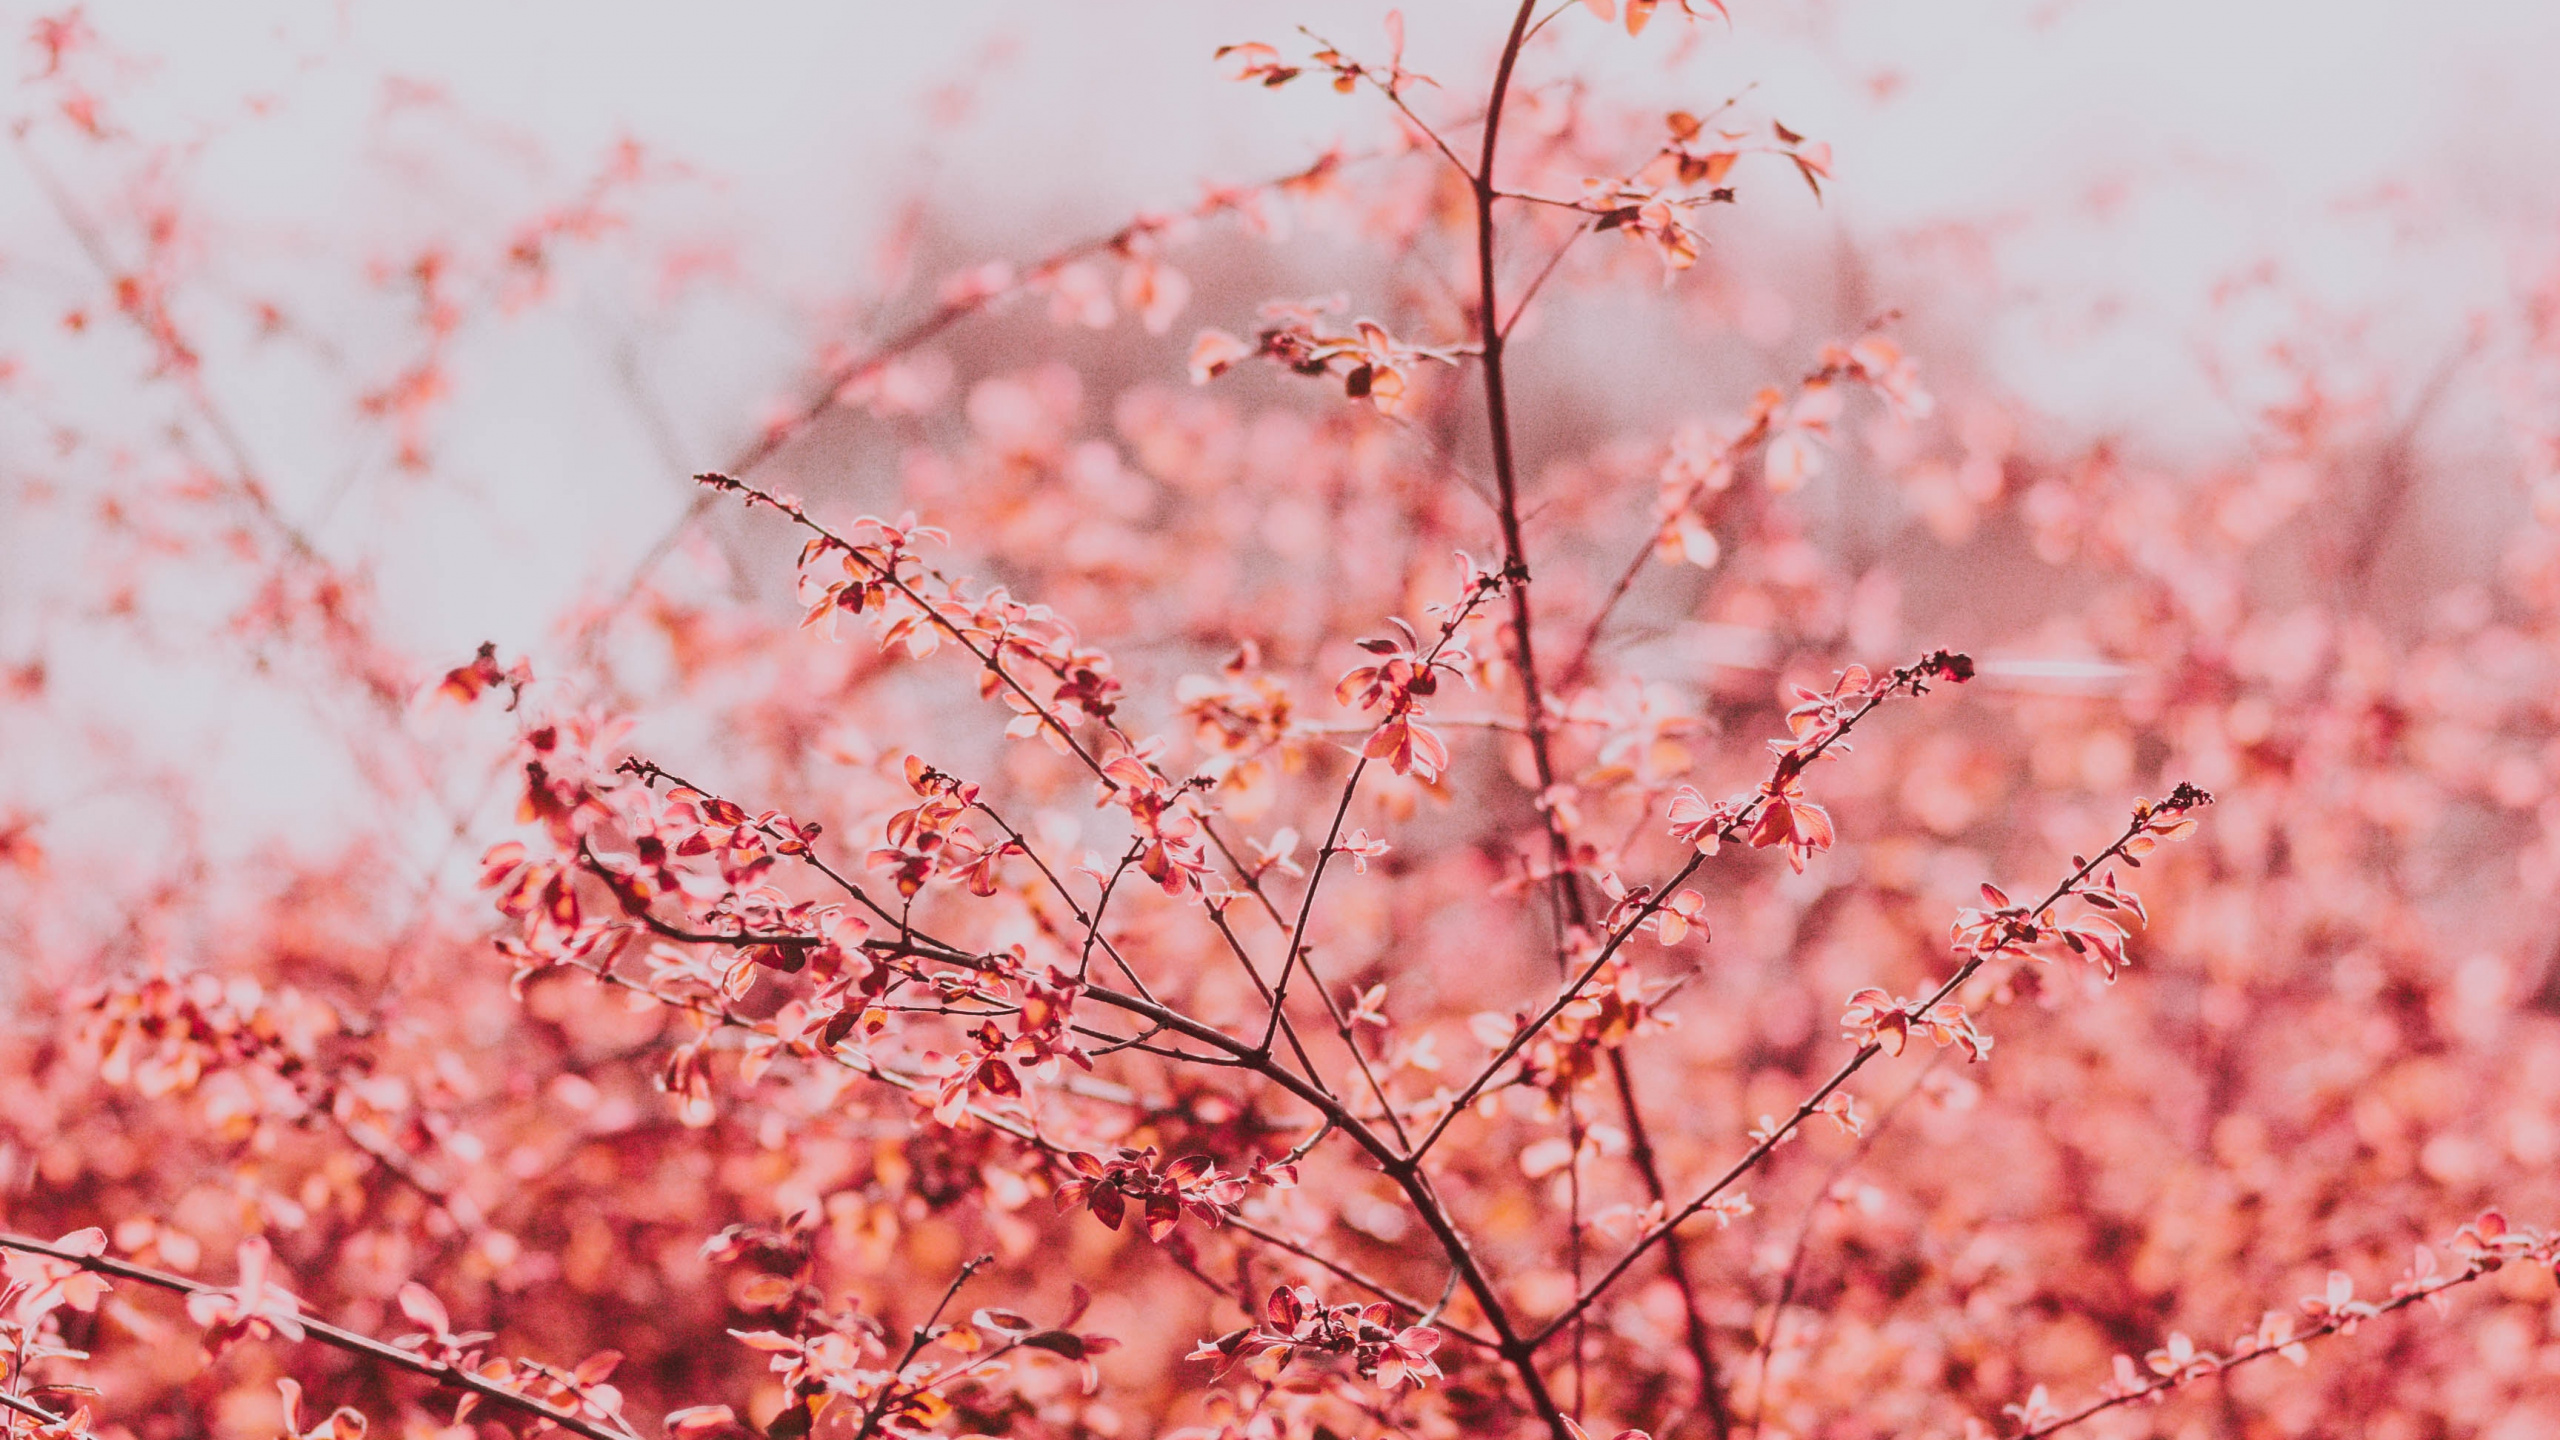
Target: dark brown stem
33, 1411
2234, 1361
1296, 934
1344, 1272
1675, 1258
450, 1376
990, 659
1244, 962
1515, 566
1495, 335
915, 1343
1804, 1232
1812, 1104
1506, 473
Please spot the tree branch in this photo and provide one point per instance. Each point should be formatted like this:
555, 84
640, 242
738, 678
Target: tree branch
450, 1376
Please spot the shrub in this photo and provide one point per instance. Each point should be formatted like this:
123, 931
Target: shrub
1331, 899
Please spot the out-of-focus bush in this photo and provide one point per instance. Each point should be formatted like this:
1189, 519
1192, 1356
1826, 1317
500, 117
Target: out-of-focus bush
1158, 855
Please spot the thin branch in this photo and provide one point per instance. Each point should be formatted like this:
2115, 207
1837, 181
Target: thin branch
650, 772
637, 907
1582, 653
1572, 915
450, 1376
915, 1344
1791, 763
1141, 1043
2334, 1325
1549, 18
1093, 928
1857, 1061
932, 613
826, 393
34, 1412
1345, 1273
1395, 97
1675, 1258
1516, 568
1537, 283
1804, 1231
1244, 962
1450, 625
1258, 1059
1297, 932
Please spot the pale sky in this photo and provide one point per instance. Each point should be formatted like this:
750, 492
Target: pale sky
2400, 164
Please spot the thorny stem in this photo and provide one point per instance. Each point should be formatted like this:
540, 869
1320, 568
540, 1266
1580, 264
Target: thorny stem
451, 1376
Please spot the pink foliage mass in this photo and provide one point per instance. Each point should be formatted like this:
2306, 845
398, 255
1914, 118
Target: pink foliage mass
1159, 856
